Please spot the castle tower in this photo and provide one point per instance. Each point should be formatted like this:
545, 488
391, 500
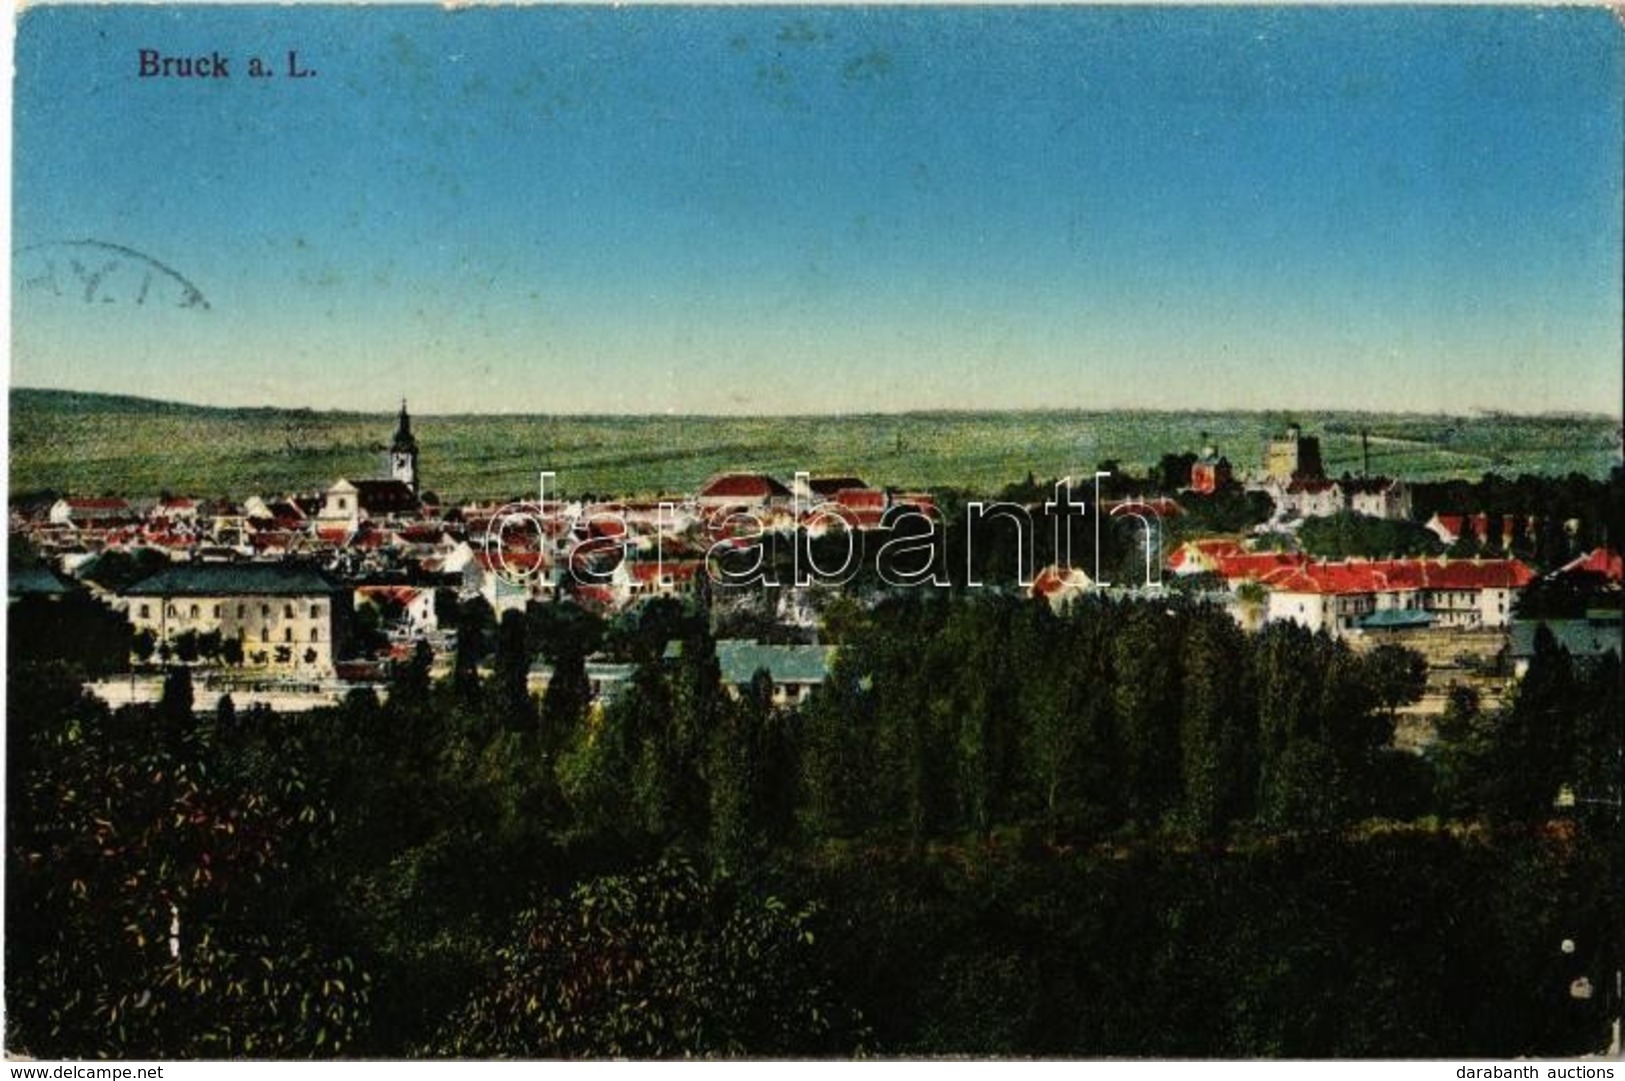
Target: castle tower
1294, 456
402, 462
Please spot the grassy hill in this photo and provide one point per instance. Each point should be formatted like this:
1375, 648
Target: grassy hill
92, 444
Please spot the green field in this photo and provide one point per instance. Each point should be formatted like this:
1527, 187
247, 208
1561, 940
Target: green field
89, 444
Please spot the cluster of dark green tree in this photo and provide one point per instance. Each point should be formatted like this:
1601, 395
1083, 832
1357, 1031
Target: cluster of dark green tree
197, 881
1124, 829
1561, 729
1348, 535
950, 717
1405, 942
73, 625
189, 647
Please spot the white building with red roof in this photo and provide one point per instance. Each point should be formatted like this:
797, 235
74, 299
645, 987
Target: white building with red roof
1060, 585
510, 579
1461, 594
644, 579
415, 605
1204, 556
82, 512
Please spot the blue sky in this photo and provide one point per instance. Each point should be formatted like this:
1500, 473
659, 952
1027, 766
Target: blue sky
828, 209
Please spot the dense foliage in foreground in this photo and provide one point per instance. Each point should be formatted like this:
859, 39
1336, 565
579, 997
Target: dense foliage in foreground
1125, 830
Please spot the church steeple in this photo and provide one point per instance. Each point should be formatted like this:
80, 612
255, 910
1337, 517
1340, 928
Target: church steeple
403, 431
402, 460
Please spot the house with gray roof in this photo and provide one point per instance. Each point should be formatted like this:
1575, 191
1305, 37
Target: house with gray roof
1587, 640
794, 669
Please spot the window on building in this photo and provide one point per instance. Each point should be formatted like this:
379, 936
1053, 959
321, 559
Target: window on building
315, 611
344, 504
315, 635
145, 614
242, 610
217, 611
287, 634
265, 634
265, 611
287, 611
169, 609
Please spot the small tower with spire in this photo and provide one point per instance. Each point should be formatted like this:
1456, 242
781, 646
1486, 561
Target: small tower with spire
403, 452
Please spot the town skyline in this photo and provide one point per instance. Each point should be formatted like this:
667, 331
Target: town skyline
818, 211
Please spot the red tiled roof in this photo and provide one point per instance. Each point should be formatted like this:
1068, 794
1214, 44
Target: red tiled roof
1257, 565
519, 520
1327, 578
651, 570
1597, 561
743, 486
1053, 580
512, 561
402, 595
595, 596
1210, 550
1477, 574
1393, 575
861, 498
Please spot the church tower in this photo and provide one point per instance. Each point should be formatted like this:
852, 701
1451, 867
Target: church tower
403, 453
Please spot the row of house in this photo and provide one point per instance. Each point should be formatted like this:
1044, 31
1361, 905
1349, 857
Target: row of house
1359, 594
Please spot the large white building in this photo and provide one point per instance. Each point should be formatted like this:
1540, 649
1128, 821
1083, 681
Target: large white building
283, 615
1465, 594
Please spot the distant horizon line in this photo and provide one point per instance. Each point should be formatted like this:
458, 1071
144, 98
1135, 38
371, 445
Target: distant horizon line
1470, 411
